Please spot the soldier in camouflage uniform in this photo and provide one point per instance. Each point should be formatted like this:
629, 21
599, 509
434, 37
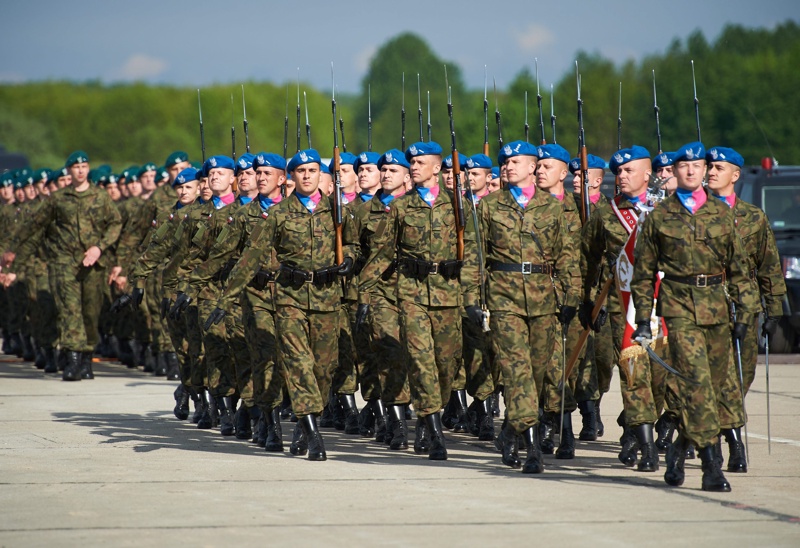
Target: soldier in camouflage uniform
527, 252
81, 223
6, 224
692, 239
763, 267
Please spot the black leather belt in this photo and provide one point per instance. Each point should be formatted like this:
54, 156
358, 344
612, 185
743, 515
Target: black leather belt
699, 280
290, 275
448, 269
261, 279
524, 268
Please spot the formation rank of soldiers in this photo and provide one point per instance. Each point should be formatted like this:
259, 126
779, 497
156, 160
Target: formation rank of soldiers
275, 290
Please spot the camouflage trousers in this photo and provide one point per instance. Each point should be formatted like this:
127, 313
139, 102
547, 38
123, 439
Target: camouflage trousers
587, 383
749, 348
219, 363
78, 294
705, 354
369, 372
187, 340
18, 305
476, 360
602, 356
45, 330
433, 344
308, 347
132, 323
636, 380
389, 352
240, 352
259, 333
345, 374
159, 332
523, 348
551, 394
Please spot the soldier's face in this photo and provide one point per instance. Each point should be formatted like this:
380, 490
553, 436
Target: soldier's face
187, 192
447, 177
220, 180
394, 179
690, 174
494, 184
135, 188
79, 172
369, 178
247, 181
595, 180
41, 188
175, 170
113, 191
205, 191
479, 178
148, 181
722, 176
325, 183
30, 192
520, 170
634, 177
425, 169
666, 174
7, 193
269, 180
550, 175
307, 176
123, 190
64, 180
19, 195
348, 177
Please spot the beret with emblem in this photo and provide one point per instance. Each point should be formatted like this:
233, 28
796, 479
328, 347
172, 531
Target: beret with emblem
63, 172
625, 155
7, 179
431, 148
663, 160
269, 159
495, 173
307, 156
146, 168
447, 163
554, 151
347, 159
176, 158
592, 162
479, 161
366, 158
218, 162
186, 176
516, 148
393, 157
724, 154
77, 157
690, 152
325, 168
41, 175
245, 161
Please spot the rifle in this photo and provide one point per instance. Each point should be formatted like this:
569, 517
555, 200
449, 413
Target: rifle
497, 119
202, 133
369, 119
419, 112
527, 127
403, 116
244, 123
481, 263
696, 103
298, 110
337, 179
585, 204
341, 128
233, 133
619, 137
429, 117
308, 124
552, 114
285, 136
458, 199
656, 111
539, 103
485, 115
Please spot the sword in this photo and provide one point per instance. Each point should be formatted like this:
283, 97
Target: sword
656, 358
766, 359
563, 378
741, 389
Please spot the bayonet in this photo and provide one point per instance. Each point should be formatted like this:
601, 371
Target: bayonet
429, 117
656, 112
553, 114
308, 124
419, 111
369, 117
202, 133
485, 113
527, 127
539, 103
299, 133
403, 115
497, 118
696, 103
233, 133
244, 117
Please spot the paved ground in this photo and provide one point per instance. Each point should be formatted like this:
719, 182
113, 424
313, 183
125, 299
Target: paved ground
104, 462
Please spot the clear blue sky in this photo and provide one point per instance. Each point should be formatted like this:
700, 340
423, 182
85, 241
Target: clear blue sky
199, 42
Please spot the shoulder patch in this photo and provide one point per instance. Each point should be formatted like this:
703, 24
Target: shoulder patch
154, 223
264, 215
230, 219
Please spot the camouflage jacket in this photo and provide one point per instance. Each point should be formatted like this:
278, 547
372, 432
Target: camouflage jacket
160, 240
673, 241
366, 222
158, 206
135, 227
763, 260
508, 233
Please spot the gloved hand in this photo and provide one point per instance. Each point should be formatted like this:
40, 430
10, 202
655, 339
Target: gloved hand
361, 316
601, 319
566, 314
181, 304
770, 326
346, 267
643, 332
122, 302
166, 302
739, 331
216, 316
585, 313
475, 314
138, 295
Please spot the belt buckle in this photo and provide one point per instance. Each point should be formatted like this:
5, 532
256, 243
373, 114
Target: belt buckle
310, 277
702, 280
527, 267
433, 268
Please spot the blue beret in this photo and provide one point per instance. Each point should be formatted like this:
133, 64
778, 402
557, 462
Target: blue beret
325, 168
663, 160
447, 163
690, 152
366, 158
516, 148
224, 162
175, 158
145, 168
77, 157
186, 176
431, 148
479, 160
245, 161
393, 157
592, 162
269, 159
625, 155
347, 159
725, 154
557, 152
307, 156
495, 173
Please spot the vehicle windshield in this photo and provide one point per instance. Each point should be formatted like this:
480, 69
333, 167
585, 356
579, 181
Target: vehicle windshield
782, 206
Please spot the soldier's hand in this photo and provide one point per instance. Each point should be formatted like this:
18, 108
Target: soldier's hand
566, 314
642, 332
361, 316
8, 258
114, 274
8, 279
181, 304
770, 326
138, 296
346, 267
601, 319
166, 302
91, 255
585, 313
122, 302
475, 314
739, 331
121, 282
216, 316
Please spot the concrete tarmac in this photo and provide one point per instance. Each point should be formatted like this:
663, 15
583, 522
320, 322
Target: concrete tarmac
105, 463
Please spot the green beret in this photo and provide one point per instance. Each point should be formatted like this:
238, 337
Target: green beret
77, 157
42, 174
145, 168
7, 179
162, 174
175, 158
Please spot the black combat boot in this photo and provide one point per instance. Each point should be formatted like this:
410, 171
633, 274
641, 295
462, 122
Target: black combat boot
348, 405
28, 352
299, 444
113, 347
136, 354
72, 369
274, 440
6, 343
316, 446
173, 366
649, 460
16, 344
462, 423
208, 410
589, 421
398, 428
547, 433
630, 448
737, 458
126, 352
149, 359
508, 443
676, 455
181, 396
327, 418
485, 420
41, 358
197, 400
52, 361
366, 420
255, 422
665, 427
533, 460
260, 431
381, 434
86, 366
496, 400
286, 408
225, 406
161, 365
601, 428
422, 439
450, 412
438, 450
713, 479
244, 430
566, 441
